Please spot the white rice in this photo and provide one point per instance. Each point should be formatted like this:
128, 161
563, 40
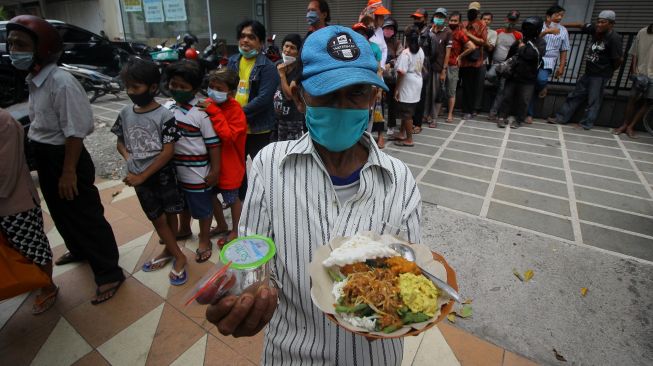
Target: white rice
367, 323
358, 248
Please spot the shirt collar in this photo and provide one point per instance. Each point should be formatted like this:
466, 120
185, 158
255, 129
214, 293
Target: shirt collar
40, 78
305, 146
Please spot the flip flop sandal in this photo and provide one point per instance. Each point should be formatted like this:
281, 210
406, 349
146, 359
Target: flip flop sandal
180, 237
214, 232
401, 143
449, 120
395, 138
200, 252
111, 290
44, 304
67, 258
178, 278
417, 130
151, 265
433, 125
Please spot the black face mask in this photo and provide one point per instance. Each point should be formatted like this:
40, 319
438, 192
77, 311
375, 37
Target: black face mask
419, 24
453, 26
141, 99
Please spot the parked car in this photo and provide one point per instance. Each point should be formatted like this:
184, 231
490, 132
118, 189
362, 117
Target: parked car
20, 113
80, 47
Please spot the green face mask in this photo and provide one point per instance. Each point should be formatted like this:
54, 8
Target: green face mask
182, 96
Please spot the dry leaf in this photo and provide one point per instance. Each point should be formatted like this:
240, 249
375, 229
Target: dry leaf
468, 301
583, 291
116, 193
452, 317
518, 275
559, 357
465, 311
528, 275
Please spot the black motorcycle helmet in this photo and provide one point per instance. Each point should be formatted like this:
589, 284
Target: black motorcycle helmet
190, 39
531, 27
390, 22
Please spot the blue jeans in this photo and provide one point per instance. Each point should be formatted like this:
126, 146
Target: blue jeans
542, 80
590, 88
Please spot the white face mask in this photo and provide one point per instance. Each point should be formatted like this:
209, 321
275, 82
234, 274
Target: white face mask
217, 96
288, 59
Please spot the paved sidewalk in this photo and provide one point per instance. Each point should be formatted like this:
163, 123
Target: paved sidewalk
147, 323
586, 187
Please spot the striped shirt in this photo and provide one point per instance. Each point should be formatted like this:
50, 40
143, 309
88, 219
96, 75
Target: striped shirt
192, 149
291, 199
555, 43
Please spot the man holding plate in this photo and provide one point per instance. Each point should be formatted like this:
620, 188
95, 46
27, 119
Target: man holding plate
334, 181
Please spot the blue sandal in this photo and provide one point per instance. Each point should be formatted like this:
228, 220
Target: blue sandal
178, 278
147, 266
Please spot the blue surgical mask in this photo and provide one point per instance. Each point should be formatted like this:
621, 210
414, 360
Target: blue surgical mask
22, 60
312, 17
217, 96
336, 129
248, 54
438, 21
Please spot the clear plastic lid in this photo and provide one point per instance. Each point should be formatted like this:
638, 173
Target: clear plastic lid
248, 252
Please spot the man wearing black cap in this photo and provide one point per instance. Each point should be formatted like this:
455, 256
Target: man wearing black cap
506, 37
426, 42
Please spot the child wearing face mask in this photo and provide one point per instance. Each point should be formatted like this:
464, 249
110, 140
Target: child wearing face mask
230, 124
147, 134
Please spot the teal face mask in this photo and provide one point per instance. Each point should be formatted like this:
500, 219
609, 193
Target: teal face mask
334, 128
438, 21
248, 54
181, 96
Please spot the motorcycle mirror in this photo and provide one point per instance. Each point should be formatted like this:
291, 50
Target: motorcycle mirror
215, 36
274, 36
178, 36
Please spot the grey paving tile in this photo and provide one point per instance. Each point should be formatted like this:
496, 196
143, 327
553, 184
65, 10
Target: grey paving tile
544, 150
633, 146
532, 158
469, 158
535, 132
541, 127
616, 219
481, 123
478, 139
642, 156
597, 159
482, 132
428, 140
531, 220
407, 157
539, 141
414, 170
418, 148
463, 169
533, 184
540, 171
444, 126
649, 177
616, 241
572, 130
454, 182
594, 149
592, 140
455, 200
614, 200
545, 203
635, 189
487, 150
111, 115
604, 170
437, 132
645, 167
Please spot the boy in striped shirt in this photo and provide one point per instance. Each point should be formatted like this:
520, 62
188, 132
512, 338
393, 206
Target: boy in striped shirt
197, 153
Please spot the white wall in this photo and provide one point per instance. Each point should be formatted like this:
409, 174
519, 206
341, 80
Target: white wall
93, 15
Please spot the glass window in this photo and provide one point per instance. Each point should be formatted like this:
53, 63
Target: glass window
70, 35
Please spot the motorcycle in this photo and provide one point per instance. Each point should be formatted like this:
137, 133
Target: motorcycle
164, 56
272, 51
213, 57
95, 83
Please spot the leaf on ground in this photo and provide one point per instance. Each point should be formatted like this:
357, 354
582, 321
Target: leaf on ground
518, 275
468, 301
452, 317
559, 357
116, 193
465, 311
583, 291
528, 275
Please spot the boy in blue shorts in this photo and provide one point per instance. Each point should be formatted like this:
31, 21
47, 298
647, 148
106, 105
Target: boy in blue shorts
197, 153
147, 133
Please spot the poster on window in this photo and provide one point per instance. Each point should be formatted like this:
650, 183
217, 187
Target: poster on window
132, 5
175, 10
153, 11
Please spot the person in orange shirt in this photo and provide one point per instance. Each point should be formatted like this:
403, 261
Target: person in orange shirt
230, 124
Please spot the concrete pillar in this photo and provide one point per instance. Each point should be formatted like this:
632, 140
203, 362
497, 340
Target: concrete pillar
112, 19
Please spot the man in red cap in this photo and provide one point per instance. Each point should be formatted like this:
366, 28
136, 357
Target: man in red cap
61, 118
376, 9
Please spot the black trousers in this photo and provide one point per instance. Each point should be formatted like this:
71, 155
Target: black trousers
516, 96
81, 222
253, 145
469, 77
392, 106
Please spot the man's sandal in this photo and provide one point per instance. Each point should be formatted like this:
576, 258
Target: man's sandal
155, 264
111, 290
66, 258
199, 253
45, 303
178, 278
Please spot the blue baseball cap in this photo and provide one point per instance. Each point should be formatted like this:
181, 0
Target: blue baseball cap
335, 57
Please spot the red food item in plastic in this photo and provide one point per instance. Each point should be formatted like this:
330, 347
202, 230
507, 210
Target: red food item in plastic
221, 285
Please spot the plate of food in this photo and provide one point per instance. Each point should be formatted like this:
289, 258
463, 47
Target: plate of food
366, 287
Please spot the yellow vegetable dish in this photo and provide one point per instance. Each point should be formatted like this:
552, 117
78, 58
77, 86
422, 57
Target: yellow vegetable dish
418, 293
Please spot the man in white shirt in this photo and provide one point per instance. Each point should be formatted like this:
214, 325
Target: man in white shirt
334, 181
61, 118
379, 12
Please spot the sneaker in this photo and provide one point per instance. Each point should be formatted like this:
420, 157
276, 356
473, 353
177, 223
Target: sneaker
501, 123
515, 124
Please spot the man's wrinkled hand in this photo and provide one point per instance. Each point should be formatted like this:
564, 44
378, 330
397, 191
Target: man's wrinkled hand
244, 315
134, 180
68, 186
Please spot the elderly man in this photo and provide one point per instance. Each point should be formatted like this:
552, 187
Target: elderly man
61, 118
603, 57
333, 181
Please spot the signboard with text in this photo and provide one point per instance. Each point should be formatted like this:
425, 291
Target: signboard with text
132, 5
175, 10
153, 11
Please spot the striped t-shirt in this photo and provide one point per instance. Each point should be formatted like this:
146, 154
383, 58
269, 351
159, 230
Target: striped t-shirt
191, 151
555, 43
291, 199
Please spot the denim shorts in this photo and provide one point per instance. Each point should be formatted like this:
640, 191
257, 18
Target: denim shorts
200, 204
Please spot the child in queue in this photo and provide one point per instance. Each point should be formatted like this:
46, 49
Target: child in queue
147, 133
